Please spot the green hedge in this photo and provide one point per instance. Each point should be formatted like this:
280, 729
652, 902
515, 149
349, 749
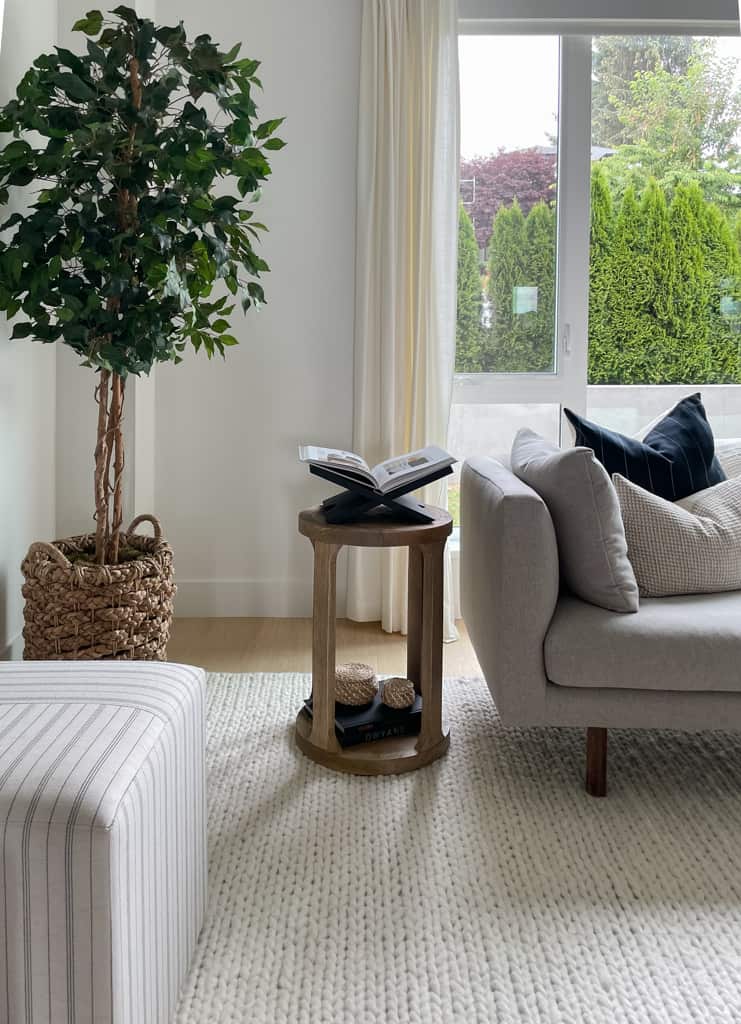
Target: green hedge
664, 290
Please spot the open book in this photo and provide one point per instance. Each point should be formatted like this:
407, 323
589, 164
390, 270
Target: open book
400, 471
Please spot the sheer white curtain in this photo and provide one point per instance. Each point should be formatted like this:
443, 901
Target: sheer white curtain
406, 262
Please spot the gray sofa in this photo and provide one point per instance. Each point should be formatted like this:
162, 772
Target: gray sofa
552, 659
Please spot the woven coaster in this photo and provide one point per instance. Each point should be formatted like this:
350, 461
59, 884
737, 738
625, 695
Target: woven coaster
398, 693
355, 683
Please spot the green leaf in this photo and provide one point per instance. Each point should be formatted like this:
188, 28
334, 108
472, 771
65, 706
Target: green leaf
126, 14
91, 24
175, 286
13, 264
230, 56
17, 150
268, 127
274, 144
198, 159
96, 52
73, 86
170, 36
247, 67
24, 330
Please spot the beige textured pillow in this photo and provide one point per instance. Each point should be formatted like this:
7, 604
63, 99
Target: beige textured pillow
586, 516
729, 456
692, 546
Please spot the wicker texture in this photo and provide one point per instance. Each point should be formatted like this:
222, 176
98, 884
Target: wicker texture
398, 693
355, 683
78, 611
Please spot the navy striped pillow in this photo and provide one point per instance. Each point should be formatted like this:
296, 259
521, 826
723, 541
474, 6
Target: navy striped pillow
674, 459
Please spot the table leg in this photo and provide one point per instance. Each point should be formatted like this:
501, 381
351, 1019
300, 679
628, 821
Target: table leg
431, 644
323, 646
414, 617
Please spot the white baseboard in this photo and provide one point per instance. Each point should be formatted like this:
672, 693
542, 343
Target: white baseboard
13, 650
237, 598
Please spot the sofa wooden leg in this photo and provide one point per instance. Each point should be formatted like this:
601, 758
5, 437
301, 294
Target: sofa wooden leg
596, 782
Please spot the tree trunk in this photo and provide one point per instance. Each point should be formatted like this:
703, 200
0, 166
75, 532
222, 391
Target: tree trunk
101, 466
116, 445
109, 467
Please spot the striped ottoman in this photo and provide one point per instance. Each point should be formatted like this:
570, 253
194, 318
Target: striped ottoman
102, 839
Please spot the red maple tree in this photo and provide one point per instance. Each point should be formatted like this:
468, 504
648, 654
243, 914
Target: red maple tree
528, 175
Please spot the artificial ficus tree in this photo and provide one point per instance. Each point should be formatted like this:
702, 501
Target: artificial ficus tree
145, 153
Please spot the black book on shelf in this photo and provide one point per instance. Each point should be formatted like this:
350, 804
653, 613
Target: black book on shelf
374, 721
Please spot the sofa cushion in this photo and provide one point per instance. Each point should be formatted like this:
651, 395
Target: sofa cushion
672, 643
593, 554
691, 546
675, 458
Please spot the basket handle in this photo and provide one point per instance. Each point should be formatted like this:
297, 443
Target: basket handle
146, 518
41, 548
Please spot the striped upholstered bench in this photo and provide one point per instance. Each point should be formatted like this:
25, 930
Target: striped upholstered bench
102, 839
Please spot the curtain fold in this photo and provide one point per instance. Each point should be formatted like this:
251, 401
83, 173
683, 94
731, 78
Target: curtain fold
407, 218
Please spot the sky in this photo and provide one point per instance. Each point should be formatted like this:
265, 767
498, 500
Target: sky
503, 102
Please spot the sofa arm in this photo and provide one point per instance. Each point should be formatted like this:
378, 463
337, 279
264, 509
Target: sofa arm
509, 585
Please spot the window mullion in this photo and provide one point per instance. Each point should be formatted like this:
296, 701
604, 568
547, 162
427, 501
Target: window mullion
574, 171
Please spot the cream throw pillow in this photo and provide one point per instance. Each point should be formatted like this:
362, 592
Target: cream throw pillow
692, 546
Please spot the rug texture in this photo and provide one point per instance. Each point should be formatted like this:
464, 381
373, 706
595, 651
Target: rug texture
486, 888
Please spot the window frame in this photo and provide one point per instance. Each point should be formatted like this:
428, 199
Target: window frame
567, 383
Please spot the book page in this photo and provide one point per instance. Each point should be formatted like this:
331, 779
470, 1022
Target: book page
337, 459
404, 468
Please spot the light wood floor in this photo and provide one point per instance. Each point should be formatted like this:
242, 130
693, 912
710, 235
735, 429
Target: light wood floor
284, 645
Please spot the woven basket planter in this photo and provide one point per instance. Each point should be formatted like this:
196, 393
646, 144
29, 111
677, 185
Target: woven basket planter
77, 611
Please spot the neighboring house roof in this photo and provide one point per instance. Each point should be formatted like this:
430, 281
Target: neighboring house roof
598, 152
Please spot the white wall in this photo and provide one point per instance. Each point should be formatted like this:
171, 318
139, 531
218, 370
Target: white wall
26, 376
228, 486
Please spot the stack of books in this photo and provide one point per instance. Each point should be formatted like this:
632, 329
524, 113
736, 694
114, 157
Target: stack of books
374, 721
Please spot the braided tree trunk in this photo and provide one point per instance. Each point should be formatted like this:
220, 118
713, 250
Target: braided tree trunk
109, 467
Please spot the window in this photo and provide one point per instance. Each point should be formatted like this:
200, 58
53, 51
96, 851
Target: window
507, 218
599, 233
665, 269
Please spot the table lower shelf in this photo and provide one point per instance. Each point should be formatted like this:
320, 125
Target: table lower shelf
382, 757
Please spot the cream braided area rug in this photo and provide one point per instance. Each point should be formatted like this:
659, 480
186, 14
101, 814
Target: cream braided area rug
486, 888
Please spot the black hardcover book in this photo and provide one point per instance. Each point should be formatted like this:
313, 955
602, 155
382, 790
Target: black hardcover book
374, 721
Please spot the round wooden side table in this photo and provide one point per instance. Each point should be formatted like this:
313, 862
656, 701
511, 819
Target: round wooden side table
315, 734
